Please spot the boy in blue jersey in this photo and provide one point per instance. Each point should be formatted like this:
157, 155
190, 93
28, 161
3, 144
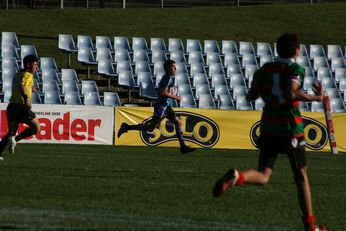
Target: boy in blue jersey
163, 108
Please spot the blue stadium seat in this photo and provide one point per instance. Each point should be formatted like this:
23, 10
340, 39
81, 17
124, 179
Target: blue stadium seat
225, 102
229, 47
104, 42
85, 41
9, 38
92, 99
52, 97
139, 43
111, 99
72, 98
157, 44
206, 101
187, 101
193, 45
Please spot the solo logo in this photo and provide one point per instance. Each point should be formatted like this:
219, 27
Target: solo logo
315, 134
196, 128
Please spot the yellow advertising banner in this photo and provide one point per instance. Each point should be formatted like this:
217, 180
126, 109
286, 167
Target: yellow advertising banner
234, 129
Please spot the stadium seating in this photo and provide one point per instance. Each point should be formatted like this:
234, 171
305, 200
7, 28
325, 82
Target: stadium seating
206, 101
121, 42
139, 43
27, 50
9, 51
92, 99
175, 44
9, 38
104, 53
86, 57
111, 99
52, 97
157, 44
229, 47
225, 102
188, 101
226, 70
193, 45
85, 41
72, 98
104, 42
36, 98
67, 45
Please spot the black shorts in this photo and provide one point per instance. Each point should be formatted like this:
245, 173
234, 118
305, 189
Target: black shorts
163, 112
271, 146
19, 113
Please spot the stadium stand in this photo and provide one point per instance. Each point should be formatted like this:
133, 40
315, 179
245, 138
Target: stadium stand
219, 73
104, 42
67, 45
72, 98
92, 98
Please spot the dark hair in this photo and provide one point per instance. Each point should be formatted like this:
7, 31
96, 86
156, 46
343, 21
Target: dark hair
29, 59
287, 44
168, 63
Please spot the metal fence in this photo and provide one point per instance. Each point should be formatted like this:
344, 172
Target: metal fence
15, 4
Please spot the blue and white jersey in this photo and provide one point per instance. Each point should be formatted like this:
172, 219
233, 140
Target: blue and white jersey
166, 81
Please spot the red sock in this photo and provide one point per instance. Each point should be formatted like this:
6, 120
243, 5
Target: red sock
240, 180
310, 219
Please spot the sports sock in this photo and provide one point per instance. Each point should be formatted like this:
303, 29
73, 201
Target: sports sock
134, 127
4, 142
240, 180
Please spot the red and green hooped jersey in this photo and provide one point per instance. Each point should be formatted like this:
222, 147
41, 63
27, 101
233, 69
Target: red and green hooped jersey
281, 115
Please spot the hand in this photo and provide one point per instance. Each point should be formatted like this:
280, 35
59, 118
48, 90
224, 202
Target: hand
318, 89
35, 89
178, 97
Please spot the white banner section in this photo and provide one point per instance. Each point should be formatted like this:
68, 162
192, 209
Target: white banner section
68, 124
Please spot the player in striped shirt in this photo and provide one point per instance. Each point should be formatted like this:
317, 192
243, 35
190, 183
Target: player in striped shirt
281, 129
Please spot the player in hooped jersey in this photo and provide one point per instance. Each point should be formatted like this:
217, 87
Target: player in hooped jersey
281, 128
19, 109
163, 108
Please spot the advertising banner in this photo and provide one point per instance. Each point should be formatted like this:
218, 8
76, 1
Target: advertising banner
232, 129
68, 124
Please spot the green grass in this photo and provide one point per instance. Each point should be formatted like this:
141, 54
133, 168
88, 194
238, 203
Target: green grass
316, 24
82, 187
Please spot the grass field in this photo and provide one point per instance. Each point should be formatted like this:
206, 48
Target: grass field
77, 187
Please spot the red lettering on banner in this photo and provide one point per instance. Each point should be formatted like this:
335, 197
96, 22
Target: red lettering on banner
3, 124
64, 124
78, 126
92, 124
60, 128
45, 132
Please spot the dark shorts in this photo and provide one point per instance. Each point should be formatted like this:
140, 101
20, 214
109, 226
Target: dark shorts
19, 113
163, 112
271, 146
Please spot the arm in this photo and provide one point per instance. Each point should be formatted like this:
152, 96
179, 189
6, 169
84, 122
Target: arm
297, 94
165, 93
25, 96
252, 94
